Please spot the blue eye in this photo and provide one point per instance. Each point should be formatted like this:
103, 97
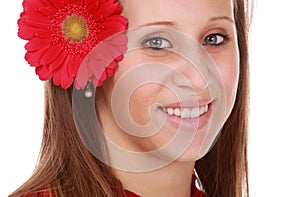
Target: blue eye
215, 39
156, 43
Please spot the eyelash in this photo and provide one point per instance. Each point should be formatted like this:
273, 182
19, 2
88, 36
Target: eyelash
225, 38
146, 43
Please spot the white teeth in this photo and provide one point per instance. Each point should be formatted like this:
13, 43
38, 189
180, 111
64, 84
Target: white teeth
177, 112
186, 113
195, 112
170, 111
202, 110
205, 108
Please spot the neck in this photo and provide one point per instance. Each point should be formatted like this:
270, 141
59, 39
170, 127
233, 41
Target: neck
172, 180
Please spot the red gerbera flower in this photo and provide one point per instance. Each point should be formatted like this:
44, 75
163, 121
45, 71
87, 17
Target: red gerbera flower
101, 62
62, 32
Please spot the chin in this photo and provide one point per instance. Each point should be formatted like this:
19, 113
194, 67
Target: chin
190, 155
194, 152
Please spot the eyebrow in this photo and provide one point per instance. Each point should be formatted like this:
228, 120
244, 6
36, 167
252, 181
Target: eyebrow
226, 18
172, 23
165, 23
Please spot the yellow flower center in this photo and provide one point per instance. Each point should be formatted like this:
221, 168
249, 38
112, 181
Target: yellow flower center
75, 28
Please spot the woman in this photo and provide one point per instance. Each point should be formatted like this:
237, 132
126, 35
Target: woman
178, 97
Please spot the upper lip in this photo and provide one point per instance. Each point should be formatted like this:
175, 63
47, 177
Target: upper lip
189, 103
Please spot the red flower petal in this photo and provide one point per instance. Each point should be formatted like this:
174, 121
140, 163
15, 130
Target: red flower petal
66, 79
103, 56
106, 9
74, 64
61, 76
33, 58
23, 25
95, 80
47, 5
57, 76
111, 69
41, 21
43, 73
118, 9
99, 60
58, 61
28, 32
32, 11
27, 4
50, 54
32, 21
102, 78
57, 3
55, 56
37, 43
93, 6
82, 75
38, 7
119, 42
97, 67
114, 27
120, 19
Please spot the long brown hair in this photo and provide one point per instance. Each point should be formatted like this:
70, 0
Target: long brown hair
224, 170
67, 168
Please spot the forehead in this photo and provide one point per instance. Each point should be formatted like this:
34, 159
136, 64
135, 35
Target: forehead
182, 11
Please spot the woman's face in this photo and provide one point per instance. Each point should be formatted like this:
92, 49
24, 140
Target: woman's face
169, 65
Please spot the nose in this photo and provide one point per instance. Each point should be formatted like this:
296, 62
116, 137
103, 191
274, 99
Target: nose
189, 74
195, 68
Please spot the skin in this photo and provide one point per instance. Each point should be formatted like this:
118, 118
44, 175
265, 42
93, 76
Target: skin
202, 18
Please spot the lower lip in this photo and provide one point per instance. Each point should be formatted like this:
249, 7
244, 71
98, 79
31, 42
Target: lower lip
189, 124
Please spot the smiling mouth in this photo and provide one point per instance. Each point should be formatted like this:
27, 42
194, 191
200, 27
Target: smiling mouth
186, 112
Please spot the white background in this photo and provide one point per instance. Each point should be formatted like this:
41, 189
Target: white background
274, 141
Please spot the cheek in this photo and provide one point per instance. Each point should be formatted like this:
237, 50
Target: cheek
141, 95
229, 71
109, 84
139, 104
